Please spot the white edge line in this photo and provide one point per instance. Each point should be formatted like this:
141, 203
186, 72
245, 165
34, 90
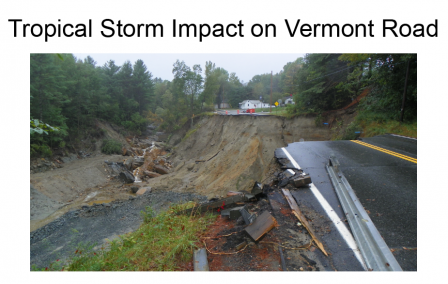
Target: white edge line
348, 237
403, 136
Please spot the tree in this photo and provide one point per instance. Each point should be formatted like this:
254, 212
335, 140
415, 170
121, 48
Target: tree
143, 87
317, 80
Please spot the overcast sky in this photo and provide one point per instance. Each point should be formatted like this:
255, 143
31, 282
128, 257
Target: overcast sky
161, 65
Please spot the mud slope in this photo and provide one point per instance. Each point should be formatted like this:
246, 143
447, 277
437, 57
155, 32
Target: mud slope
232, 152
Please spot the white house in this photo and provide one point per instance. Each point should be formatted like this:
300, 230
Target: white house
289, 101
248, 104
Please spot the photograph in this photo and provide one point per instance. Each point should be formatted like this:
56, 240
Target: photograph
223, 162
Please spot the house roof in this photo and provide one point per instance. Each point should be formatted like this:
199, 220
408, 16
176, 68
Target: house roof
251, 101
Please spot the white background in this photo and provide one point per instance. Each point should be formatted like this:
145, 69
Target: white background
431, 105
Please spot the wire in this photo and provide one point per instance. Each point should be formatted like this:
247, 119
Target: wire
384, 63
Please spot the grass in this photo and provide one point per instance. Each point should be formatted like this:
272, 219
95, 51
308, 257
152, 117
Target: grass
280, 111
162, 243
378, 123
378, 128
190, 132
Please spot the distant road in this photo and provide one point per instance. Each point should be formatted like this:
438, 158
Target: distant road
235, 112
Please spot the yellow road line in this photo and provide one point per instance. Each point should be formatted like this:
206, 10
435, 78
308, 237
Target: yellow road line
404, 157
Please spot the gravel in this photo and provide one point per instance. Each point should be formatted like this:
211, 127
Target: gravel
94, 224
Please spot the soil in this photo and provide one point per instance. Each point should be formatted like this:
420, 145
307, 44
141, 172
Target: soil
225, 153
230, 153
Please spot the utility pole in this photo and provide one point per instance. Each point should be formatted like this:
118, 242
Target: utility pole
270, 101
405, 89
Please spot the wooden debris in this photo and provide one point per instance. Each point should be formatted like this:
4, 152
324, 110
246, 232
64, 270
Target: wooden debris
208, 159
233, 193
240, 246
263, 224
302, 219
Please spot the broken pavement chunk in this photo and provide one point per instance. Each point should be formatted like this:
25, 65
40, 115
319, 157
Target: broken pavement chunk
263, 224
257, 189
302, 181
247, 217
233, 213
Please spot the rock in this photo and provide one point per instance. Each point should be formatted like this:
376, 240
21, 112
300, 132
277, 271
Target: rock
126, 177
127, 152
143, 190
190, 166
128, 163
161, 170
135, 189
151, 174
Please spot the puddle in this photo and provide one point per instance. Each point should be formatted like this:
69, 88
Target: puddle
100, 201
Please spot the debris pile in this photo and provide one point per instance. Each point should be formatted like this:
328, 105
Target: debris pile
255, 227
144, 159
294, 177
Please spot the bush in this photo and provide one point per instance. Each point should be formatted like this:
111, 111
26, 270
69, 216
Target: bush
44, 150
352, 131
111, 146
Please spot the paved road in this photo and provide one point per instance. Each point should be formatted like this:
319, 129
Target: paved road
383, 174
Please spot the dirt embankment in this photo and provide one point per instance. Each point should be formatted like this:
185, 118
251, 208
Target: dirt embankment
223, 153
219, 154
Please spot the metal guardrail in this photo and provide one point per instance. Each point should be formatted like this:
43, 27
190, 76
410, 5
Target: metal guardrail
376, 253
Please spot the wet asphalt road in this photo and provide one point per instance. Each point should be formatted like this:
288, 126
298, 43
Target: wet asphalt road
386, 186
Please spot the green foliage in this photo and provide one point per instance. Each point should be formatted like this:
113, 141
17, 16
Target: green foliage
44, 150
39, 127
137, 123
352, 132
318, 120
111, 146
191, 131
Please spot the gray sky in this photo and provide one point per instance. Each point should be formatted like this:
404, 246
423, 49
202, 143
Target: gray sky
160, 65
